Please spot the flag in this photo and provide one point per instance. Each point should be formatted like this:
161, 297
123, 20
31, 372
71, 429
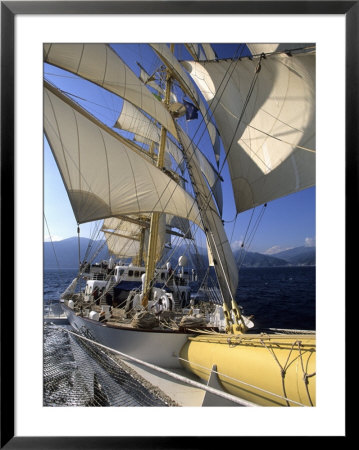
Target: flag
191, 111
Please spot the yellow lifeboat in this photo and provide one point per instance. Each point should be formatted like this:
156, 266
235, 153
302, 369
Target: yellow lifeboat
265, 369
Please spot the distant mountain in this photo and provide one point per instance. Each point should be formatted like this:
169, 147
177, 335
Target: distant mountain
250, 259
299, 256
66, 252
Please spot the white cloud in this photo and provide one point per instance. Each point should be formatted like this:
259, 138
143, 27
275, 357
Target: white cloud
276, 249
53, 238
309, 242
236, 245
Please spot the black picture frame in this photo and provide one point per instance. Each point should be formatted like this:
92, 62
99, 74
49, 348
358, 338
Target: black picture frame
9, 9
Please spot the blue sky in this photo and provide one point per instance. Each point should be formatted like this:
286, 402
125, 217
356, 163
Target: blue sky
286, 223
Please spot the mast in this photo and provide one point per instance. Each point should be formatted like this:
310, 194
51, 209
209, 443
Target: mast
155, 216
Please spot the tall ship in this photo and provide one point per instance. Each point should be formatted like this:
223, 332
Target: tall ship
151, 180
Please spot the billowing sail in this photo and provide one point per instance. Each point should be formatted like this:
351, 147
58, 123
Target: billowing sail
99, 64
258, 49
103, 176
169, 59
133, 120
122, 246
223, 259
269, 133
196, 51
124, 237
208, 51
147, 79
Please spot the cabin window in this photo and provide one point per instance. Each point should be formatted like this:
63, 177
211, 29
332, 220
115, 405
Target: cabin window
121, 271
130, 273
142, 273
137, 273
163, 275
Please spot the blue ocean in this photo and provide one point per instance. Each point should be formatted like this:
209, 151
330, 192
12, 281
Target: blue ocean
277, 297
75, 376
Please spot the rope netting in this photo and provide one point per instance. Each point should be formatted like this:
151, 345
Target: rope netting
77, 373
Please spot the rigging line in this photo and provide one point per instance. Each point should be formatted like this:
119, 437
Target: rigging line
281, 52
207, 205
234, 226
218, 175
209, 112
52, 243
242, 382
78, 245
95, 233
256, 225
251, 237
90, 102
249, 94
242, 113
279, 139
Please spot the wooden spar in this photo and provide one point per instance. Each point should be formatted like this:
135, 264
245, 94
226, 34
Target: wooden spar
155, 216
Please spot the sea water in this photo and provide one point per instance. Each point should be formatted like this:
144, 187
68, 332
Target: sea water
276, 297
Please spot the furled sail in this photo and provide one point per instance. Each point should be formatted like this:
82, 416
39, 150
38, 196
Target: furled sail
268, 134
103, 176
180, 74
99, 64
223, 259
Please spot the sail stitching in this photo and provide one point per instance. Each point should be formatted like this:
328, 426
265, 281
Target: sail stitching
58, 134
80, 60
107, 167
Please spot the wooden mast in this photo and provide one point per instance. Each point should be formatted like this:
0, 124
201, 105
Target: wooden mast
155, 216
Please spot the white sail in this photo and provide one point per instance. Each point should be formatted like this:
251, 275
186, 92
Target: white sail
169, 59
123, 236
271, 146
147, 79
223, 259
122, 246
208, 51
133, 120
102, 175
129, 226
196, 52
99, 64
258, 49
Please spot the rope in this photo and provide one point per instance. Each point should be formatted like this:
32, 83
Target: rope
144, 320
164, 371
305, 376
283, 369
52, 243
242, 382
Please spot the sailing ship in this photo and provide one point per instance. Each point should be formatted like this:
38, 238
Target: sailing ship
147, 179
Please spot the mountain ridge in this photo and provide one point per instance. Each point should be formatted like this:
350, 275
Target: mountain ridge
67, 255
